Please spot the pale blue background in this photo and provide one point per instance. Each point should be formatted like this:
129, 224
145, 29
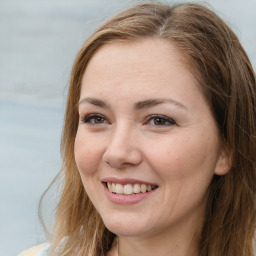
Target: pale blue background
38, 43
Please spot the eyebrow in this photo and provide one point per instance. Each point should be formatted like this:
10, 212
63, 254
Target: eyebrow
94, 101
138, 105
153, 102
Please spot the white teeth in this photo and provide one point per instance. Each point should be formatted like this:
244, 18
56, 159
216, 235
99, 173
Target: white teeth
143, 188
136, 188
109, 186
129, 189
119, 189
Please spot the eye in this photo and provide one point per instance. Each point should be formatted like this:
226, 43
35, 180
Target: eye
160, 120
94, 119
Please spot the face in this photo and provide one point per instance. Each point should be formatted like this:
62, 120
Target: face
147, 145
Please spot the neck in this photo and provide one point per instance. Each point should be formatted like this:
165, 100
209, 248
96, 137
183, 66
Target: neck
175, 242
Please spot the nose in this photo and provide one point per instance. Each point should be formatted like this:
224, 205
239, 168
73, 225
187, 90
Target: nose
123, 149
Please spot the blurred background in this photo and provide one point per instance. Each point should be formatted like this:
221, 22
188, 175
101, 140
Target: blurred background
39, 40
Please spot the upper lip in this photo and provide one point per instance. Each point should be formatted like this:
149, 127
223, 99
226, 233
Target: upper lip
126, 181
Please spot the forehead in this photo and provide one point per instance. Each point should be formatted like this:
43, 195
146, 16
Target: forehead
126, 60
122, 74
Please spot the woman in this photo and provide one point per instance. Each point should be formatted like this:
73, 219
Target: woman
159, 139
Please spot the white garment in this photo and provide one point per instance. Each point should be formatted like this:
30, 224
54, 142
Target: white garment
39, 250
44, 251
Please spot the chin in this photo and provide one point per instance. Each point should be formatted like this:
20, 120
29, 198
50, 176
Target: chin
125, 230
124, 226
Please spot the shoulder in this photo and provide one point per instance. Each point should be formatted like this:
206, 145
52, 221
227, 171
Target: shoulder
34, 251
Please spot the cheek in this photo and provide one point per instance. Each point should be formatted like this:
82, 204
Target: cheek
87, 154
184, 156
88, 158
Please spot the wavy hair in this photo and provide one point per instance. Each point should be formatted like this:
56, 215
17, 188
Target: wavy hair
227, 79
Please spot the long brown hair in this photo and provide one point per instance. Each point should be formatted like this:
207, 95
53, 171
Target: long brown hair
227, 78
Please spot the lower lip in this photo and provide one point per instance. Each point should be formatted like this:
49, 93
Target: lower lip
127, 199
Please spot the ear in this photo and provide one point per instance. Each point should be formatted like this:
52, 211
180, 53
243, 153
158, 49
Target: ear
224, 162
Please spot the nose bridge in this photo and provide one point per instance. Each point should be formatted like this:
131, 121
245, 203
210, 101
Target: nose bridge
123, 148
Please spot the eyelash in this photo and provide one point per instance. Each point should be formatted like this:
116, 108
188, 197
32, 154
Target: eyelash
90, 117
167, 121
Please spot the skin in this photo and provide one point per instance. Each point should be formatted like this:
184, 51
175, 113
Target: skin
179, 152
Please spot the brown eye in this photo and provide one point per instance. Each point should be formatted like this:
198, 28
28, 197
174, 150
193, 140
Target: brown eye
94, 119
98, 120
160, 120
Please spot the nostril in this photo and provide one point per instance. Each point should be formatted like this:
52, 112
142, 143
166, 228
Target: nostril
121, 153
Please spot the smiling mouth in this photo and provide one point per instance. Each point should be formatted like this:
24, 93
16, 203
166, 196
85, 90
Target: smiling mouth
129, 189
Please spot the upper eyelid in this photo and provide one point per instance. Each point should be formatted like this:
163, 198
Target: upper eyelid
160, 116
91, 116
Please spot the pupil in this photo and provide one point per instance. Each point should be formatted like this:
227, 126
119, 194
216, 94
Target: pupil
159, 121
98, 120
